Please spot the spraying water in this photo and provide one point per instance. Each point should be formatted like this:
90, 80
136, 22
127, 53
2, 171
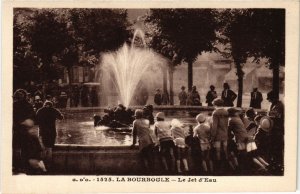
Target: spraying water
129, 65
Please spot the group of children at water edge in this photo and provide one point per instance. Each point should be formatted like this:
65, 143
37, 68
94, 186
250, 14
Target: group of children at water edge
223, 136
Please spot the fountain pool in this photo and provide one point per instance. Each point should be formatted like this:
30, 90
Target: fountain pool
78, 128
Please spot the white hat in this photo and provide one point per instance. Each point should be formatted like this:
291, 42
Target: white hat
200, 118
37, 97
266, 123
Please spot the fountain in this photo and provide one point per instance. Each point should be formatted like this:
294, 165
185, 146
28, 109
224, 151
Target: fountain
129, 65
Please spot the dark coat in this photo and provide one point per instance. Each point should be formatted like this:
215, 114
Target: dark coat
31, 147
22, 110
256, 100
46, 118
229, 99
210, 96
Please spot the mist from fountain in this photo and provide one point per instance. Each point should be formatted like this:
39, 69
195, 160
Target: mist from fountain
129, 65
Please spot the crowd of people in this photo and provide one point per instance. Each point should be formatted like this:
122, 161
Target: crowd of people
192, 98
77, 95
226, 141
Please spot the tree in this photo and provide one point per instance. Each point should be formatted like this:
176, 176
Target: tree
163, 46
100, 30
255, 33
25, 62
269, 39
188, 31
48, 36
237, 33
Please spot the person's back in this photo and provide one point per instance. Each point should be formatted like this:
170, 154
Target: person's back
163, 130
238, 128
202, 131
220, 125
141, 128
179, 136
46, 117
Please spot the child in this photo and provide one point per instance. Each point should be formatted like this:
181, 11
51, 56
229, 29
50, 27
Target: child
141, 129
31, 150
162, 131
236, 126
202, 131
181, 148
194, 147
251, 147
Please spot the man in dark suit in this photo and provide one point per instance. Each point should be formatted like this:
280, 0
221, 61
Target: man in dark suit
211, 95
256, 99
228, 96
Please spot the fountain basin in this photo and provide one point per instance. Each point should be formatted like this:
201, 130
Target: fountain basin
101, 160
114, 158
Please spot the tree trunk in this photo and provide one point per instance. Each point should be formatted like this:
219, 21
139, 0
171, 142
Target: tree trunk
190, 75
171, 72
276, 81
165, 81
70, 75
240, 75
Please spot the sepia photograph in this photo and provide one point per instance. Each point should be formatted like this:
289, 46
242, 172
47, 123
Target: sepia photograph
148, 91
150, 94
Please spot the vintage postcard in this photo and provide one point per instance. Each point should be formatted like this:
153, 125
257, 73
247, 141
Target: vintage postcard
149, 96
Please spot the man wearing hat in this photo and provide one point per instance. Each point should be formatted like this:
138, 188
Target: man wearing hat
158, 97
182, 96
46, 118
256, 99
211, 95
141, 129
228, 96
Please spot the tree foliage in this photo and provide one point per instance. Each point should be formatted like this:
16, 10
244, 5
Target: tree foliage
254, 33
182, 34
100, 30
72, 36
